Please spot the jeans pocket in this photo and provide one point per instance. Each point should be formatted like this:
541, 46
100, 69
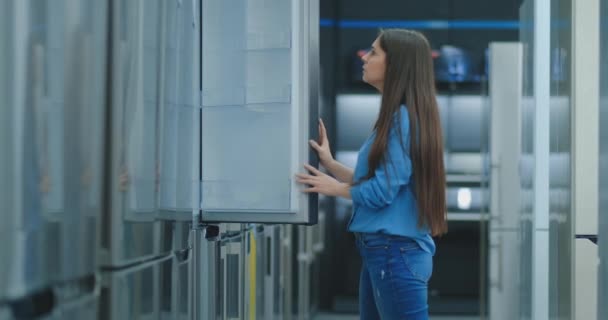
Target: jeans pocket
419, 263
375, 241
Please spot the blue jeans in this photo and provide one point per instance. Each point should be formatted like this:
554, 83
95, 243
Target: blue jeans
394, 277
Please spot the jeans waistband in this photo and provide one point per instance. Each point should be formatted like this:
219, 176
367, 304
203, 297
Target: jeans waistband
359, 236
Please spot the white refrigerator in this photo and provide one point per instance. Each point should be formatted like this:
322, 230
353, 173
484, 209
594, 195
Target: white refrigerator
258, 110
154, 75
52, 87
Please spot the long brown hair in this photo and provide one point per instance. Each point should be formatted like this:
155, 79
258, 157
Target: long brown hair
409, 80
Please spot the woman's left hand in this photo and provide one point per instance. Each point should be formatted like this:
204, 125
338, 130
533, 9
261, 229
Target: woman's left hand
322, 183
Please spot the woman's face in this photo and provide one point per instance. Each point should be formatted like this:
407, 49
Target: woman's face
374, 66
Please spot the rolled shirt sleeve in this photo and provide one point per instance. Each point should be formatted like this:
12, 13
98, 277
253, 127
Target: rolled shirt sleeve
380, 190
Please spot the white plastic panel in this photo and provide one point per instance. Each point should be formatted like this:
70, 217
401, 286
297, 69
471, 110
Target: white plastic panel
268, 77
268, 28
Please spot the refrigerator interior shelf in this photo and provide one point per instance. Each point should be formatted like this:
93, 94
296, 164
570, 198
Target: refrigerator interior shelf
469, 216
247, 211
269, 40
463, 178
251, 95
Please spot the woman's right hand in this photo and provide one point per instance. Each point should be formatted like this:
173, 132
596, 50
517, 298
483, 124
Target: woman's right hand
322, 147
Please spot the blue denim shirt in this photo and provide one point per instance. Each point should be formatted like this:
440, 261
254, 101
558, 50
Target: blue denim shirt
386, 203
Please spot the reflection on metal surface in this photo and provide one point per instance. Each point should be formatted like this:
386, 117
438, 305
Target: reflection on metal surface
134, 292
603, 166
52, 87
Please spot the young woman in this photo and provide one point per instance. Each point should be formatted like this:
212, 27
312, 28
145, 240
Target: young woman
398, 184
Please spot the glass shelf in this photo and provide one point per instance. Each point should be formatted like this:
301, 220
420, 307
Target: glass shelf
262, 76
247, 156
272, 40
246, 195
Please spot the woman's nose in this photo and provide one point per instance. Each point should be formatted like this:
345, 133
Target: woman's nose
363, 54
